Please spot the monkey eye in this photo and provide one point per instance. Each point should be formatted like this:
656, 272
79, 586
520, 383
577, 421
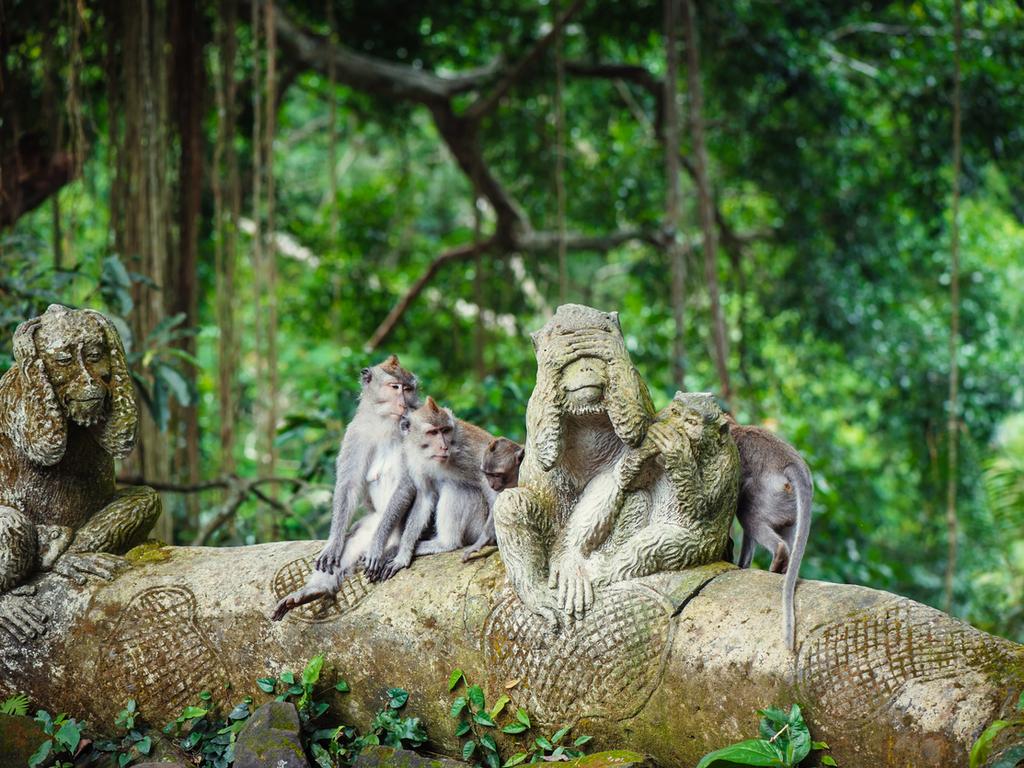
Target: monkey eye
63, 358
395, 386
447, 430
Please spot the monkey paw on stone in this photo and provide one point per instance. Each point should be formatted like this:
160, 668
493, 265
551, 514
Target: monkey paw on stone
329, 560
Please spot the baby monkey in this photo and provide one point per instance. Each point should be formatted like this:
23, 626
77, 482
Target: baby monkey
500, 465
774, 507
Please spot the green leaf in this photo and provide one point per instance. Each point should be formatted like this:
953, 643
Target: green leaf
458, 705
463, 729
983, 745
206, 696
267, 684
499, 705
311, 673
468, 749
16, 705
342, 686
755, 752
516, 759
69, 735
828, 760
488, 742
288, 677
397, 697
476, 696
175, 382
190, 713
819, 745
514, 728
453, 678
560, 734
543, 743
482, 718
1009, 758
581, 741
41, 754
492, 759
144, 745
522, 717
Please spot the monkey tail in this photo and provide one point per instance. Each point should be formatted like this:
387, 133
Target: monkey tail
800, 478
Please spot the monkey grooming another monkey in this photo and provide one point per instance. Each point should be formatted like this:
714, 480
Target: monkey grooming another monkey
774, 507
369, 468
443, 457
500, 466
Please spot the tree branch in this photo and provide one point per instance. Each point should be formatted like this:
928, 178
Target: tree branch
486, 104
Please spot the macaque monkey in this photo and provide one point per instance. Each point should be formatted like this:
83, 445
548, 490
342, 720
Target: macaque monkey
369, 468
500, 466
443, 457
774, 508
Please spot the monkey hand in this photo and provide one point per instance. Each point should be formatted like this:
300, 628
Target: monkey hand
374, 566
394, 566
600, 344
329, 560
78, 566
667, 435
575, 589
23, 621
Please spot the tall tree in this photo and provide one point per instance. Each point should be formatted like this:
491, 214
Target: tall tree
704, 196
560, 150
953, 407
676, 245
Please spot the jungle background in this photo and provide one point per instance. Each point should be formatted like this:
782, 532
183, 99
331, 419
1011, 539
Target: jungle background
808, 208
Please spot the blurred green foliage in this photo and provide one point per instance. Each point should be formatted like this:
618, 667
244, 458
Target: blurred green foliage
830, 139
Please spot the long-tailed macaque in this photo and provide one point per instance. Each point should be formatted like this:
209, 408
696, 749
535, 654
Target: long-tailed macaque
443, 457
369, 468
500, 466
774, 508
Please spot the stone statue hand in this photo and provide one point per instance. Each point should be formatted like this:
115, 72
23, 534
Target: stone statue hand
329, 560
570, 577
668, 436
604, 346
22, 620
78, 566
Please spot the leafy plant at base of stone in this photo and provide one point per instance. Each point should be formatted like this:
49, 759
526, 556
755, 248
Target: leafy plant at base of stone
203, 733
15, 705
983, 745
473, 716
134, 744
785, 741
65, 739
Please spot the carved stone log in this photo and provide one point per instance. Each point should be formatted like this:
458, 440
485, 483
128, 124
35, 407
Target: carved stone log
673, 664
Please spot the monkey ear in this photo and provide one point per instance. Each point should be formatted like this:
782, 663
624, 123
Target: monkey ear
392, 362
39, 428
520, 455
431, 405
366, 375
116, 434
614, 317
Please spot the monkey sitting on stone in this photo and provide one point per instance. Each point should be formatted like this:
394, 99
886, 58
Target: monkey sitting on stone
369, 468
443, 457
500, 466
774, 508
67, 410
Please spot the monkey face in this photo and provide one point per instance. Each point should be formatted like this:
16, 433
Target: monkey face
501, 464
583, 383
392, 388
432, 430
76, 357
700, 417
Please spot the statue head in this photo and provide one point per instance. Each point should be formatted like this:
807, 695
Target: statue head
705, 424
583, 369
73, 370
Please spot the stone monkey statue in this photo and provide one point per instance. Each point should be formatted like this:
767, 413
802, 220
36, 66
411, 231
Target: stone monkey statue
774, 508
588, 411
500, 466
67, 410
443, 458
369, 469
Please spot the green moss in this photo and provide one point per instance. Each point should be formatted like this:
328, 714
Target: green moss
615, 757
151, 551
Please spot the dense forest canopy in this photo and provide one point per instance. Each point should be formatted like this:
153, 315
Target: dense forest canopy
269, 196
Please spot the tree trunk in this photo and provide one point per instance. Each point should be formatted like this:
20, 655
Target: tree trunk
704, 198
953, 406
676, 247
674, 665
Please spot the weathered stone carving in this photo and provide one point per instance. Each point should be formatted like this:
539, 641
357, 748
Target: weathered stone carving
608, 490
294, 574
67, 410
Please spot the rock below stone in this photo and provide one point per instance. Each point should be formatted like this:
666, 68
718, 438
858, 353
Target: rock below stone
20, 737
271, 739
